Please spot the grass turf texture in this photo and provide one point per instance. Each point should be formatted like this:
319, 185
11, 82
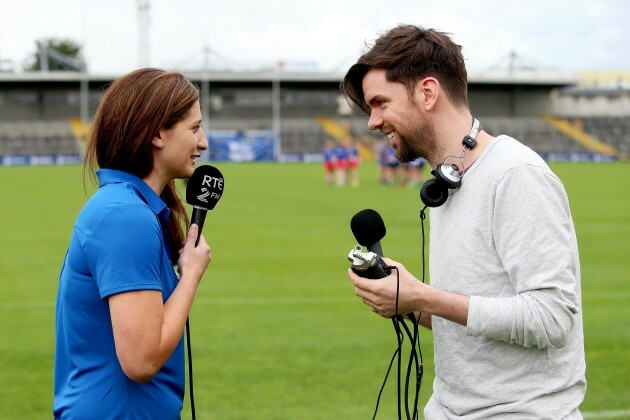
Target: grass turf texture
277, 332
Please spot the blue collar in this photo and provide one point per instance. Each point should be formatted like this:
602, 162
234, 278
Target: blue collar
114, 176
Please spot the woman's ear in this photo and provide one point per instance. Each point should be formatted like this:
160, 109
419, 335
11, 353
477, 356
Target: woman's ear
157, 141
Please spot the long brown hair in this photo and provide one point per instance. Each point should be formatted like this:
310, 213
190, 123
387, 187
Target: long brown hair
410, 53
132, 112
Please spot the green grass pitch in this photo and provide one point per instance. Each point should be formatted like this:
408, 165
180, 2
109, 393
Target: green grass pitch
277, 332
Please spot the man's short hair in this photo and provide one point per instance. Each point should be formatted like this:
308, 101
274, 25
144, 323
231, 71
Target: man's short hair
410, 53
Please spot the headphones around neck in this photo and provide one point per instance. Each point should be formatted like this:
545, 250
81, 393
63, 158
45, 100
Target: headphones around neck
446, 176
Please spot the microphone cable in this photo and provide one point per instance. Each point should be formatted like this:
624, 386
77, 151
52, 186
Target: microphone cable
415, 357
190, 370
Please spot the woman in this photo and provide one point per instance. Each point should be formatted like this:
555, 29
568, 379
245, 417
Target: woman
121, 308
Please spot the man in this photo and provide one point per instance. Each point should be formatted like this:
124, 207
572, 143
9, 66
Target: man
504, 302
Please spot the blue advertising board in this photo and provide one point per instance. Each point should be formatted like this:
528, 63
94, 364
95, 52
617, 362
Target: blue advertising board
240, 146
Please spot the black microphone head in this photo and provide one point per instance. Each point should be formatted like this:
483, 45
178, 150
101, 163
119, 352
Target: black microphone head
368, 227
205, 187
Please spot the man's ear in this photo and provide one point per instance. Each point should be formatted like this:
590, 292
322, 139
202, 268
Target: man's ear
427, 92
157, 141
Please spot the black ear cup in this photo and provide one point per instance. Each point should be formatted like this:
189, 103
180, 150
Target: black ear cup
434, 192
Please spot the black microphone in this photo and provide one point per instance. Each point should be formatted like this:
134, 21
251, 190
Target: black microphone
204, 189
368, 229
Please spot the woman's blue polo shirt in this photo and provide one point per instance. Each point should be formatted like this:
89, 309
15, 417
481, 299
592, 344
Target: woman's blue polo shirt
118, 245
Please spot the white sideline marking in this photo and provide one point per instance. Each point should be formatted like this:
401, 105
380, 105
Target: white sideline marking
28, 304
295, 300
273, 300
253, 300
611, 414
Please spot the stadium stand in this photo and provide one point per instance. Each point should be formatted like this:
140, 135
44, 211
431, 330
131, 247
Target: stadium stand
535, 133
302, 135
40, 113
614, 131
38, 138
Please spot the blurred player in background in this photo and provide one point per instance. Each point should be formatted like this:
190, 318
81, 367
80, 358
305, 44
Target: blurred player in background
354, 160
381, 155
388, 164
393, 167
414, 170
329, 161
341, 165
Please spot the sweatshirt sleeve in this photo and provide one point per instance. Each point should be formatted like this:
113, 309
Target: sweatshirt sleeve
535, 240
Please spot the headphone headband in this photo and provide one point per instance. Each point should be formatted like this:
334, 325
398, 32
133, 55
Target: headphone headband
475, 128
469, 140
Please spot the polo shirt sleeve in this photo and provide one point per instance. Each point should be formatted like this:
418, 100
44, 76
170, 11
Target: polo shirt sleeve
124, 250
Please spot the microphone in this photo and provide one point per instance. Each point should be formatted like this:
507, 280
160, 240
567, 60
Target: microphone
368, 229
203, 191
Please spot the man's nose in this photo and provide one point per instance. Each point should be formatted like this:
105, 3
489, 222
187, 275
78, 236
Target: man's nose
375, 121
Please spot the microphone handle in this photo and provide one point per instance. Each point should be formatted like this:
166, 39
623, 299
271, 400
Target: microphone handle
198, 217
376, 248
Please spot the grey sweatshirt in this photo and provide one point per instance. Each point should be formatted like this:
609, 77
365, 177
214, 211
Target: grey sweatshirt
506, 239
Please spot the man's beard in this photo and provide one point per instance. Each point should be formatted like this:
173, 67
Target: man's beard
415, 145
